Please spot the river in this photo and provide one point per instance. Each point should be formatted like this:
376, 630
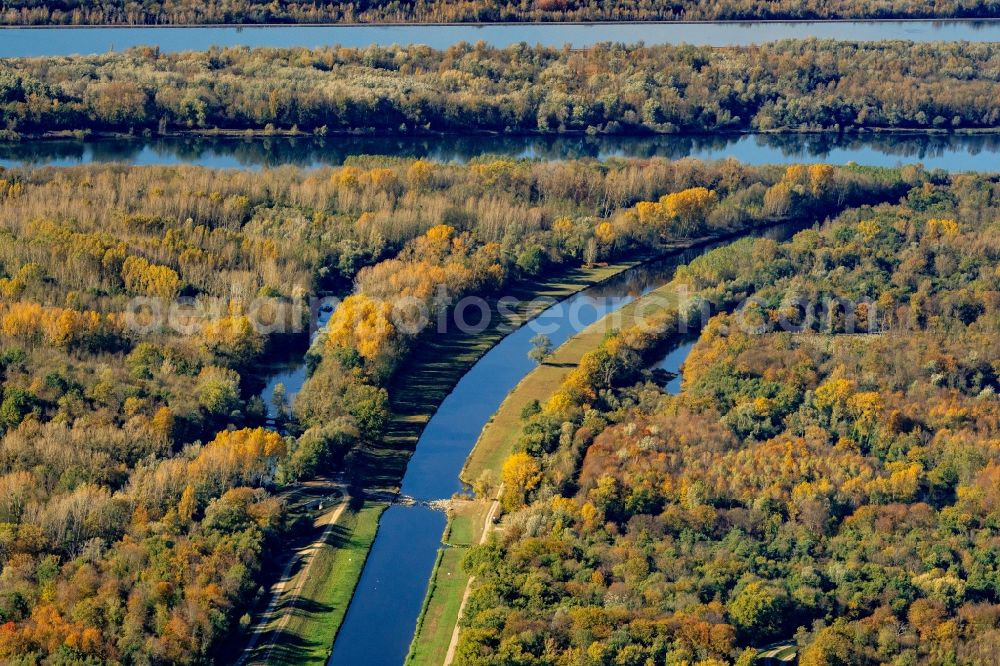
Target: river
952, 152
383, 613
671, 362
16, 42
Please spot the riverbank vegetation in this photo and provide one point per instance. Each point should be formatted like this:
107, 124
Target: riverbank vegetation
832, 488
502, 435
159, 12
797, 86
395, 301
140, 509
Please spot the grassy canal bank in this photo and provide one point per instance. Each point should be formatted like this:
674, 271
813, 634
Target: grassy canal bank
467, 519
311, 607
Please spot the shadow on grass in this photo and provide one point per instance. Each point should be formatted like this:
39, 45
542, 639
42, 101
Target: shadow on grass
289, 649
301, 606
431, 371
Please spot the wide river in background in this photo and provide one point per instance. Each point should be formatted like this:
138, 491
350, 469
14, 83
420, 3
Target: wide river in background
952, 152
15, 42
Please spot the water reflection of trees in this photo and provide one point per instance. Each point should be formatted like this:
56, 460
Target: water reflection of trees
309, 151
918, 146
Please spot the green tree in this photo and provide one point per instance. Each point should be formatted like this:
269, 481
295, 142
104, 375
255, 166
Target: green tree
17, 403
279, 400
218, 390
369, 405
541, 348
757, 610
531, 260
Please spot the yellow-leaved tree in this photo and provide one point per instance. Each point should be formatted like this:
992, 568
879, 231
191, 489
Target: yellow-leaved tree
232, 337
521, 474
142, 277
363, 324
689, 208
235, 458
679, 213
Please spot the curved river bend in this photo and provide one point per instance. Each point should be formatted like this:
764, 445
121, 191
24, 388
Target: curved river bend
382, 616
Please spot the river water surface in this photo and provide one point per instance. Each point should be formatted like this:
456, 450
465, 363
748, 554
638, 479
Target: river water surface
952, 152
15, 42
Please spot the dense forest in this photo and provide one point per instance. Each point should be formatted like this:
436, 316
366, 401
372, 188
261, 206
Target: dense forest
171, 12
140, 491
815, 483
611, 89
